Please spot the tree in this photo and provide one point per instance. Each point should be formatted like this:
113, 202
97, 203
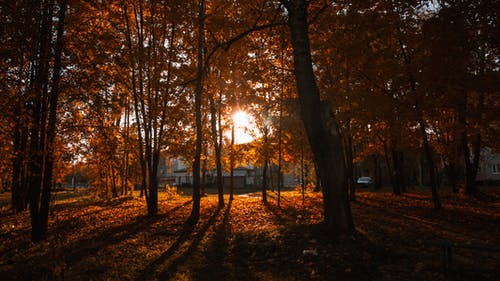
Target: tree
215, 120
319, 121
152, 40
36, 86
467, 28
195, 212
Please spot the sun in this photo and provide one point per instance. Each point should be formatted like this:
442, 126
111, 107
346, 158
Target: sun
244, 127
241, 119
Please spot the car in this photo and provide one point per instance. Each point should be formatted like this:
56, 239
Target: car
364, 181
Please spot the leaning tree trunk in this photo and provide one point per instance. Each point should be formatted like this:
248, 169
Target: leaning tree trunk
321, 128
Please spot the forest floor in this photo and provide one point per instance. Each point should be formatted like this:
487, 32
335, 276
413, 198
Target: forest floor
397, 238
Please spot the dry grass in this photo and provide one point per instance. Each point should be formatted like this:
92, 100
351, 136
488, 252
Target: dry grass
91, 239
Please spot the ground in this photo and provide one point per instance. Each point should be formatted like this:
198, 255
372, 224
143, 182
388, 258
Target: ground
396, 238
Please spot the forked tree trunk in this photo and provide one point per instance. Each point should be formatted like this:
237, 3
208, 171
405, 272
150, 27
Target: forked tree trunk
321, 128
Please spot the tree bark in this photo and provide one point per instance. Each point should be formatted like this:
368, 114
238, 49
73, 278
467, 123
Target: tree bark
471, 161
432, 169
231, 164
351, 185
321, 128
195, 211
18, 188
264, 181
217, 148
44, 119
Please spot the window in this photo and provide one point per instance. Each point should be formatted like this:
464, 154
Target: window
495, 168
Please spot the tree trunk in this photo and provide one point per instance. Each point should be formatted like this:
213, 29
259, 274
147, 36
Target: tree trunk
217, 148
264, 181
18, 187
349, 165
432, 169
377, 172
452, 174
231, 164
152, 194
204, 172
471, 161
396, 169
195, 211
390, 168
321, 128
471, 173
317, 187
44, 121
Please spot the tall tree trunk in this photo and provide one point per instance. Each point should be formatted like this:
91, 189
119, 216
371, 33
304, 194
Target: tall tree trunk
195, 211
18, 188
302, 175
317, 187
432, 169
220, 187
377, 172
124, 176
280, 126
204, 172
44, 131
231, 164
264, 181
37, 132
322, 130
349, 163
450, 169
266, 153
396, 169
471, 161
114, 190
217, 148
390, 169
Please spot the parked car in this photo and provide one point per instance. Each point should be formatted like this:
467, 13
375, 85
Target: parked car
364, 181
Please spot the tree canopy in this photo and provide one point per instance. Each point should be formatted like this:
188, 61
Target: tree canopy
354, 86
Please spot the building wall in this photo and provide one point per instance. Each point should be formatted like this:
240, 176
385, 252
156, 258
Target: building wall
489, 168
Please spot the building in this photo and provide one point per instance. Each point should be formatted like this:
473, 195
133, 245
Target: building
175, 171
489, 167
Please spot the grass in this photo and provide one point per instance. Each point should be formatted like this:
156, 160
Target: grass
93, 239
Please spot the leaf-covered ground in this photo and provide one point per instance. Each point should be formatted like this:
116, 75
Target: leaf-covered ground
397, 239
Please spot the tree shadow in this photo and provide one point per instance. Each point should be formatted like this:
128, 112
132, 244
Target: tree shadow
116, 234
186, 234
284, 215
71, 254
218, 252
